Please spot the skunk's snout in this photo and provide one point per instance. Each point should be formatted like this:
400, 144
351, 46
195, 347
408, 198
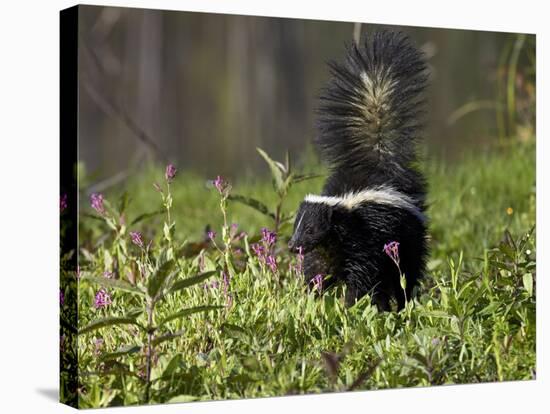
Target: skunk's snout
292, 245
295, 246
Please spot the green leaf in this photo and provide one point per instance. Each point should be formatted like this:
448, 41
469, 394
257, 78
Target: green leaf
157, 279
507, 250
189, 311
92, 216
489, 309
167, 337
125, 350
276, 173
403, 282
252, 202
114, 368
190, 281
304, 177
286, 219
509, 240
145, 216
107, 259
130, 319
235, 331
168, 231
168, 201
123, 202
288, 165
172, 366
113, 283
183, 398
435, 314
528, 283
111, 223
288, 182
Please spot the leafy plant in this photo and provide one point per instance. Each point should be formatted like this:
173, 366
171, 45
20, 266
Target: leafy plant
283, 178
158, 281
231, 318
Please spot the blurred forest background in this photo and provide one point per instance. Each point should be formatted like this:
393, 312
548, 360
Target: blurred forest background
204, 90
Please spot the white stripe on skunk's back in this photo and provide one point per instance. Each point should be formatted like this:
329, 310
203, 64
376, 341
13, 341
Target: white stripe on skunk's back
377, 195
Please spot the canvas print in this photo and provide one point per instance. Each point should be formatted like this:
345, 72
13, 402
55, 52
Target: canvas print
256, 206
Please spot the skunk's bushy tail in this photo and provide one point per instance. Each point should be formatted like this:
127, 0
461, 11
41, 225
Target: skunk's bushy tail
369, 112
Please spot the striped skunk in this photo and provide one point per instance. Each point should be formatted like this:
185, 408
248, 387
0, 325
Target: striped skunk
369, 124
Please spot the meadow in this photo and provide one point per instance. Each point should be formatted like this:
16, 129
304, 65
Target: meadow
186, 290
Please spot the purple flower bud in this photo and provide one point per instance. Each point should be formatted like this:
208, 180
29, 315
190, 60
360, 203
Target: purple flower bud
102, 299
233, 230
272, 263
228, 297
392, 250
299, 260
225, 278
229, 301
61, 297
98, 345
96, 200
107, 274
62, 203
318, 282
258, 250
269, 237
136, 238
240, 236
221, 185
212, 285
170, 173
211, 234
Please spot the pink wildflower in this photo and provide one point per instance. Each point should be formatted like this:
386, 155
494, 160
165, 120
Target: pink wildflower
102, 299
272, 263
170, 173
318, 282
136, 238
221, 185
96, 200
392, 250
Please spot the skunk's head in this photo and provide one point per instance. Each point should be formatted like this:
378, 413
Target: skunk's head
311, 226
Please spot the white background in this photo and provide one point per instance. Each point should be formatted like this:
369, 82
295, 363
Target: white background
29, 84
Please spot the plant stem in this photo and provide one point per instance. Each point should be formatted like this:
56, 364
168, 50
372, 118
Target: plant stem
277, 218
150, 308
226, 235
278, 212
167, 205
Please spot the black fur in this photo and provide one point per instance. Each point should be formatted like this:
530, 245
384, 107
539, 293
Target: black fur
366, 137
369, 124
354, 240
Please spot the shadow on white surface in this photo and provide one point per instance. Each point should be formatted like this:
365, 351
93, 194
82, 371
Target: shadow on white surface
51, 394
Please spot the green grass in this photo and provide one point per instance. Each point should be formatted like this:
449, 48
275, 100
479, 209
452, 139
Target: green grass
473, 319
